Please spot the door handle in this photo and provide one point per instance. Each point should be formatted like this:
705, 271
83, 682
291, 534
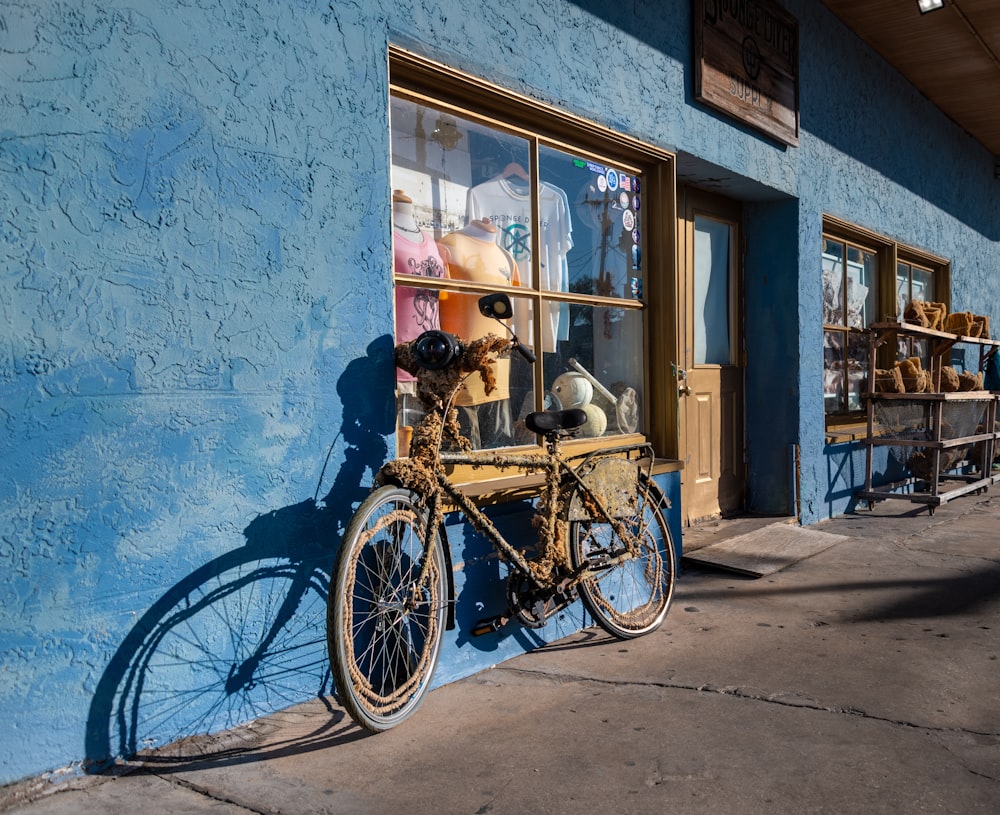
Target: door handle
682, 385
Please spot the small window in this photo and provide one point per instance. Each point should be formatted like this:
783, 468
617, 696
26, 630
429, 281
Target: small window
867, 279
487, 202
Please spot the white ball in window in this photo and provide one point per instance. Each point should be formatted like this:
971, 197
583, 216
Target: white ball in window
573, 390
597, 421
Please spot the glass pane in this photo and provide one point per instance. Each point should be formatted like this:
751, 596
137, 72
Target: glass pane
833, 282
923, 285
833, 371
903, 295
712, 276
600, 370
857, 369
463, 210
591, 215
862, 271
486, 419
437, 158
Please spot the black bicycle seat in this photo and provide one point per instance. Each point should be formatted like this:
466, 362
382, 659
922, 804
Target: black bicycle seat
547, 421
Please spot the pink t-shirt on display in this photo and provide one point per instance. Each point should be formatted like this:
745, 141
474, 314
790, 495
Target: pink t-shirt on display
417, 309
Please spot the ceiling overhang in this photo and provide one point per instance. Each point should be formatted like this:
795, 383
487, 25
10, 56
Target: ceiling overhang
951, 55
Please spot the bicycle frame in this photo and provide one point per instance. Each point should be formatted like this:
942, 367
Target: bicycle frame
560, 477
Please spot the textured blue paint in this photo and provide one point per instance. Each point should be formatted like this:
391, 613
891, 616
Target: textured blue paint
195, 351
772, 327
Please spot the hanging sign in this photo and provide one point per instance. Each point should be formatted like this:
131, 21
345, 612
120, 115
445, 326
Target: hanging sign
747, 63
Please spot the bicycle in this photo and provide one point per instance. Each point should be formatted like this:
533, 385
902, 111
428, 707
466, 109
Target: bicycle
602, 537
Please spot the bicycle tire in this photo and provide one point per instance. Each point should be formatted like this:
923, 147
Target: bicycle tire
384, 630
631, 597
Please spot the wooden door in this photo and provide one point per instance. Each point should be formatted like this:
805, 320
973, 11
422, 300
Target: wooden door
710, 371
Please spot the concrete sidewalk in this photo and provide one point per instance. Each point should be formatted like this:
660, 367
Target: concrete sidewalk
864, 679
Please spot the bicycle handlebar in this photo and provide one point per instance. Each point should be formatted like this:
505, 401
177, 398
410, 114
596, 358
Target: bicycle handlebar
524, 351
435, 350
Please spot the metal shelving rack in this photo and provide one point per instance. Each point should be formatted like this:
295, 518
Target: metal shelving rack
934, 438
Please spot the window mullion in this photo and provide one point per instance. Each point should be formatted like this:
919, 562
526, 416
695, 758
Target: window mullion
537, 306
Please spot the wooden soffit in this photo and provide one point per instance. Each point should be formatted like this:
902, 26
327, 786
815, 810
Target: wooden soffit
951, 55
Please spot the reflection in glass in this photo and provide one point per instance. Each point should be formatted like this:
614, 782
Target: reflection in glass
903, 295
862, 268
833, 282
600, 249
923, 285
857, 365
833, 371
712, 267
912, 283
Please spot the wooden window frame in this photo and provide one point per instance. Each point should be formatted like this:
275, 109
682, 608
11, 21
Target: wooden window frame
430, 83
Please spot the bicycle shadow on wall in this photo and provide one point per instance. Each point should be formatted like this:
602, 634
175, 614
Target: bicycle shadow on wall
244, 635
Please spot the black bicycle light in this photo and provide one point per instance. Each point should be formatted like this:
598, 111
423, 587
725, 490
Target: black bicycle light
497, 306
436, 350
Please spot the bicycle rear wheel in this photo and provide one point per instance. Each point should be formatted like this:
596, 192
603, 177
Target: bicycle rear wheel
629, 593
384, 623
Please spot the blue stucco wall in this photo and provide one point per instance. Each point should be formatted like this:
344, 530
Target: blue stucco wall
195, 345
874, 152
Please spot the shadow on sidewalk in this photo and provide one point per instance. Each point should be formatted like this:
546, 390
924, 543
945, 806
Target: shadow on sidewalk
912, 599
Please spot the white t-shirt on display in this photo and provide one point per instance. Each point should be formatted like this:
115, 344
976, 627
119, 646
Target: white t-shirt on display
508, 207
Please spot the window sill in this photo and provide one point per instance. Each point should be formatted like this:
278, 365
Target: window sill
527, 486
846, 432
850, 432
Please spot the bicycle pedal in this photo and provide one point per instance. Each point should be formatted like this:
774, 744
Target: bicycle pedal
489, 626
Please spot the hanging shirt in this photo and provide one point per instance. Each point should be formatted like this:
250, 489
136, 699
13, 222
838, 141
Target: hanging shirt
508, 207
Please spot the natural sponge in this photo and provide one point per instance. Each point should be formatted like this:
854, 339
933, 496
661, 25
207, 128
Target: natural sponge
915, 378
936, 315
949, 379
970, 382
914, 313
983, 323
960, 323
891, 381
926, 315
921, 463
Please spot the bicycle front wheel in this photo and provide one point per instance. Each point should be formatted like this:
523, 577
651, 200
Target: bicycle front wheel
632, 580
387, 610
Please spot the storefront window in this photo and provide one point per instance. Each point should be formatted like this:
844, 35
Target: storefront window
860, 272
480, 205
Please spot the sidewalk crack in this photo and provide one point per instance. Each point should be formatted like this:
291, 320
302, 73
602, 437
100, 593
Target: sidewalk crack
741, 693
207, 793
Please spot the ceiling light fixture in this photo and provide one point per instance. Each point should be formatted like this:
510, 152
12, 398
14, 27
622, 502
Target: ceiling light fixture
929, 5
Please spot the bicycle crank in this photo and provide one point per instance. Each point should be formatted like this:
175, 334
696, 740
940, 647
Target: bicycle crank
528, 604
532, 606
